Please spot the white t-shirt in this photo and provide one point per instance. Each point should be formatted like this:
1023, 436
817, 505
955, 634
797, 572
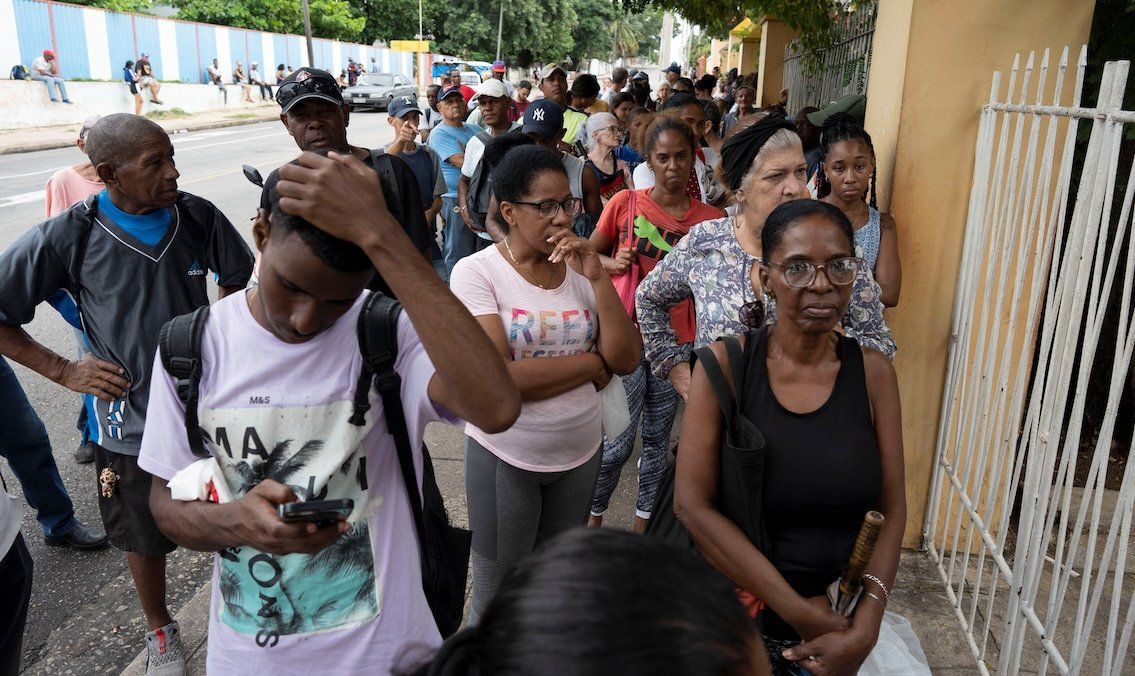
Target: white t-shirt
276, 410
475, 150
40, 66
551, 435
643, 175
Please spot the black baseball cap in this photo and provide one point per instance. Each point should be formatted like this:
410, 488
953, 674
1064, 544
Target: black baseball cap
402, 105
545, 118
308, 83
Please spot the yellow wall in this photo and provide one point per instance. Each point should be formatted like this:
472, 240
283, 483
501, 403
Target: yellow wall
750, 54
775, 36
931, 70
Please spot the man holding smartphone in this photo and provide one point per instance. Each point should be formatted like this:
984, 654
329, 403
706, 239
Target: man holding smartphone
279, 368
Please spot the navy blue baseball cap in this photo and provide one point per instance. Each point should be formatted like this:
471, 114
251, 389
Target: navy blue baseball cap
545, 118
446, 92
402, 105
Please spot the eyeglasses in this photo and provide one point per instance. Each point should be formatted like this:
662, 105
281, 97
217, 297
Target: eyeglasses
549, 208
313, 85
613, 128
840, 271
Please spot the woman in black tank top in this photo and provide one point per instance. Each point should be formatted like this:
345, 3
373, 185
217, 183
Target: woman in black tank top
829, 413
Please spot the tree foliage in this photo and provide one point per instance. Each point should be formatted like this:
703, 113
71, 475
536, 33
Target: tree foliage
813, 19
333, 19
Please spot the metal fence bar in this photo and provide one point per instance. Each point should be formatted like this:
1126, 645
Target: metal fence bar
828, 74
1040, 275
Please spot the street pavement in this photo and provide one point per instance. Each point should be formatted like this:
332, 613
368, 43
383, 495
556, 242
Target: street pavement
84, 617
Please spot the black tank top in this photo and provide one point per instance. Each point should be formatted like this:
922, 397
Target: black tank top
822, 473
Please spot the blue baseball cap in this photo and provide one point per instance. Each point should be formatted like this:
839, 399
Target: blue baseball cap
545, 118
449, 91
402, 105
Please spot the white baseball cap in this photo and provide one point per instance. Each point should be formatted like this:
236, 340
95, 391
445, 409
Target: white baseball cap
493, 88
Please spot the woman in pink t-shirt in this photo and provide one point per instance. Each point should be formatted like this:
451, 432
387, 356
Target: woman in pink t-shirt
542, 296
71, 185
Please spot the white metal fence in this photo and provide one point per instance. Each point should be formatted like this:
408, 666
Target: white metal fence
839, 70
1033, 551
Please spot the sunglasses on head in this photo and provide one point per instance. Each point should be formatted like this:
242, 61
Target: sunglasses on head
314, 85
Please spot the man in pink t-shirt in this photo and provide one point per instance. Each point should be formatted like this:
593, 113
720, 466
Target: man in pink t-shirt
279, 367
71, 185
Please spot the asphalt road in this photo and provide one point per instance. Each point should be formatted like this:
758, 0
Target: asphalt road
85, 617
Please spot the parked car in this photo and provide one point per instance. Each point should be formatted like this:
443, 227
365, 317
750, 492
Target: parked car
377, 90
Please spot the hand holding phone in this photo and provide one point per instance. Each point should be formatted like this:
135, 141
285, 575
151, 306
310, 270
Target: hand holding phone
319, 512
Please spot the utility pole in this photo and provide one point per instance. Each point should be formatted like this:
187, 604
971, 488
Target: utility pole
307, 32
500, 30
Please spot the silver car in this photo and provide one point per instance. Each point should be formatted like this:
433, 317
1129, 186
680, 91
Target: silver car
377, 90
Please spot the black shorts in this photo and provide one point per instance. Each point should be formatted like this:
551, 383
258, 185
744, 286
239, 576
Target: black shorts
133, 88
126, 512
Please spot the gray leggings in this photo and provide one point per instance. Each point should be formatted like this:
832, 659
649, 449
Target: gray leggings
512, 511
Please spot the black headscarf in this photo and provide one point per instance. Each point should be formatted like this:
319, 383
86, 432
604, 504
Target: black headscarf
738, 151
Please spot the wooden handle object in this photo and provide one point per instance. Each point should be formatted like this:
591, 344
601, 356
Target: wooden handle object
861, 554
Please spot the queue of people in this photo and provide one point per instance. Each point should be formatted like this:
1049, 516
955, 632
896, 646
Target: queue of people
596, 255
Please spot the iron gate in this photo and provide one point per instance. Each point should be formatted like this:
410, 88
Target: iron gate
841, 69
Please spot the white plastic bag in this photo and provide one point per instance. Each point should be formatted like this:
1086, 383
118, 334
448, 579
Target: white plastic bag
897, 652
201, 480
616, 412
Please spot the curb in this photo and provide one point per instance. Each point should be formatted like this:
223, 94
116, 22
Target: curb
188, 127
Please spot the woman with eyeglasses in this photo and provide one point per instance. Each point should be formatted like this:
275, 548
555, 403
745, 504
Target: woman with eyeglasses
543, 297
606, 137
715, 265
828, 410
637, 229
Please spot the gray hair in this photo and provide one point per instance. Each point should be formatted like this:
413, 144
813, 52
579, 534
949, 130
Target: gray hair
116, 138
781, 140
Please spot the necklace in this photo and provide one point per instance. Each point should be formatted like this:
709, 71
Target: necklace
516, 264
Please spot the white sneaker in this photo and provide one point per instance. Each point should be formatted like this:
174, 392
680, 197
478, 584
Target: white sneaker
164, 654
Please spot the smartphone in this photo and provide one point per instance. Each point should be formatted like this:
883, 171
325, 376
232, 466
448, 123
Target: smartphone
322, 512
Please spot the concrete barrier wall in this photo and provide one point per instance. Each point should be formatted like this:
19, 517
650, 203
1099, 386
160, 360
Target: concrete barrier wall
25, 104
94, 44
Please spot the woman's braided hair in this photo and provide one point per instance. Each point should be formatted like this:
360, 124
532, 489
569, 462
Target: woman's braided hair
837, 128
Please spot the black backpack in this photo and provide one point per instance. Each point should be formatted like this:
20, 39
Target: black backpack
480, 189
18, 72
443, 548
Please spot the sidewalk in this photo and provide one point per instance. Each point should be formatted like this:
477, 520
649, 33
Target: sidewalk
46, 138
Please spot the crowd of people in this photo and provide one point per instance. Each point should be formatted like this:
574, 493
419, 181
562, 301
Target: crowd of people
618, 255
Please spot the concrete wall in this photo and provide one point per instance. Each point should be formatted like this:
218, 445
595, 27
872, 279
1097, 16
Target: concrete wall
94, 44
931, 69
25, 104
775, 36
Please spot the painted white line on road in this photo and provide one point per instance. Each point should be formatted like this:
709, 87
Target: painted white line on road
199, 136
235, 140
32, 173
22, 198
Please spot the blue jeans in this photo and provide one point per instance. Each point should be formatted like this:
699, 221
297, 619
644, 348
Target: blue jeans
460, 241
49, 80
24, 444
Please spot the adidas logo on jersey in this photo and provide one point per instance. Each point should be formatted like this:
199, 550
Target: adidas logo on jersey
195, 269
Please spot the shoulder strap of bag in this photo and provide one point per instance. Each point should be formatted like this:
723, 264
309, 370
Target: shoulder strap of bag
378, 342
179, 343
736, 355
632, 208
717, 381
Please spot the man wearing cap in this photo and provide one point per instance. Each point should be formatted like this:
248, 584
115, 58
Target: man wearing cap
544, 124
854, 105
672, 73
498, 75
46, 69
405, 116
494, 103
449, 139
553, 84
314, 113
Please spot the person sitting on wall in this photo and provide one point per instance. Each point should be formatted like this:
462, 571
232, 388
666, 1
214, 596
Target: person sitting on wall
241, 78
46, 69
256, 79
216, 78
146, 79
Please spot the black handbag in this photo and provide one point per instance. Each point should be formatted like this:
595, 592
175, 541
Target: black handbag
740, 492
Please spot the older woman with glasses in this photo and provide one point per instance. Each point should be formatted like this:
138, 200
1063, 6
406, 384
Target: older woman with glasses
544, 300
613, 174
715, 264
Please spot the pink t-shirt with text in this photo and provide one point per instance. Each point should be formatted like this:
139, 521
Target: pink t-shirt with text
551, 435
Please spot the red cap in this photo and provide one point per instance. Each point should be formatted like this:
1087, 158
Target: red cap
47, 53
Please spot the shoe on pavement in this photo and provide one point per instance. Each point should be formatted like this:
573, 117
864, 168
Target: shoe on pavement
157, 102
85, 453
80, 537
68, 101
165, 655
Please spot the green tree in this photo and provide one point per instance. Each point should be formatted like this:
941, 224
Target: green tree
592, 36
140, 6
813, 19
469, 29
333, 19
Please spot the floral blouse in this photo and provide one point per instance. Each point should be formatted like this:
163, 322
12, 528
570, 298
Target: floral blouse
710, 266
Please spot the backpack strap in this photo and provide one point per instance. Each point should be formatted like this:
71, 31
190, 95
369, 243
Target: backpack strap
378, 342
179, 343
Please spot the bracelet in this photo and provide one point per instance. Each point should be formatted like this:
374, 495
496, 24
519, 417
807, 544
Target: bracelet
886, 592
876, 597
